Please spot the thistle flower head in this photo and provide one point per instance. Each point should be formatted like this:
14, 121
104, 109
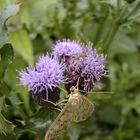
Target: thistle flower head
67, 48
94, 65
44, 78
88, 67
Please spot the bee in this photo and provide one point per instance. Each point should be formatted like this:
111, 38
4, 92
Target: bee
78, 108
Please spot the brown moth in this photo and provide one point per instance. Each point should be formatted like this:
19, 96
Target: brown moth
78, 108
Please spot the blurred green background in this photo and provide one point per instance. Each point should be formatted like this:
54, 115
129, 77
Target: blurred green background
114, 28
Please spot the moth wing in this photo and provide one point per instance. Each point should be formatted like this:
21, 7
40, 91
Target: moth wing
61, 123
85, 109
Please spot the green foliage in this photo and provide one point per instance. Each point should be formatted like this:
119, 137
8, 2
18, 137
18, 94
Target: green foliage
5, 14
6, 54
113, 27
5, 125
22, 45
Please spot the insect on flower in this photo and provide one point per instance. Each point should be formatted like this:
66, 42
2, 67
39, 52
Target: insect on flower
78, 108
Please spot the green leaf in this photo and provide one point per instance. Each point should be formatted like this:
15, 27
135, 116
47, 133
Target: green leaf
3, 35
6, 55
11, 73
14, 99
122, 44
22, 45
4, 89
5, 125
2, 103
4, 15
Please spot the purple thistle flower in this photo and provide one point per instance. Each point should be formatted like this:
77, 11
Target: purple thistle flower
67, 48
94, 68
88, 67
42, 81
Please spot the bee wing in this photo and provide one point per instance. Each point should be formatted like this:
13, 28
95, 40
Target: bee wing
61, 123
85, 109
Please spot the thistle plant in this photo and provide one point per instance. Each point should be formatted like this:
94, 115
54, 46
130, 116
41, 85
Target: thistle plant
71, 62
43, 80
75, 65
113, 27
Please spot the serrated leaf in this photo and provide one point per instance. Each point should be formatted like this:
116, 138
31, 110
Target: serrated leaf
14, 99
11, 73
22, 45
5, 125
6, 57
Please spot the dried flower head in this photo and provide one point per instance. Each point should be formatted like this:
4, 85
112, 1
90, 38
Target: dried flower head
42, 81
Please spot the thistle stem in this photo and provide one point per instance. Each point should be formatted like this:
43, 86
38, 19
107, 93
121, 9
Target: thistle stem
99, 32
116, 24
110, 36
101, 25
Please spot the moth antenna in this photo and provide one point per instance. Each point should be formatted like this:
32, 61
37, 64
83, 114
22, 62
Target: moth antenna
101, 92
78, 80
97, 92
83, 91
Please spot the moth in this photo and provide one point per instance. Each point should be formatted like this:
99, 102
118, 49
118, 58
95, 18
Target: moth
78, 108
